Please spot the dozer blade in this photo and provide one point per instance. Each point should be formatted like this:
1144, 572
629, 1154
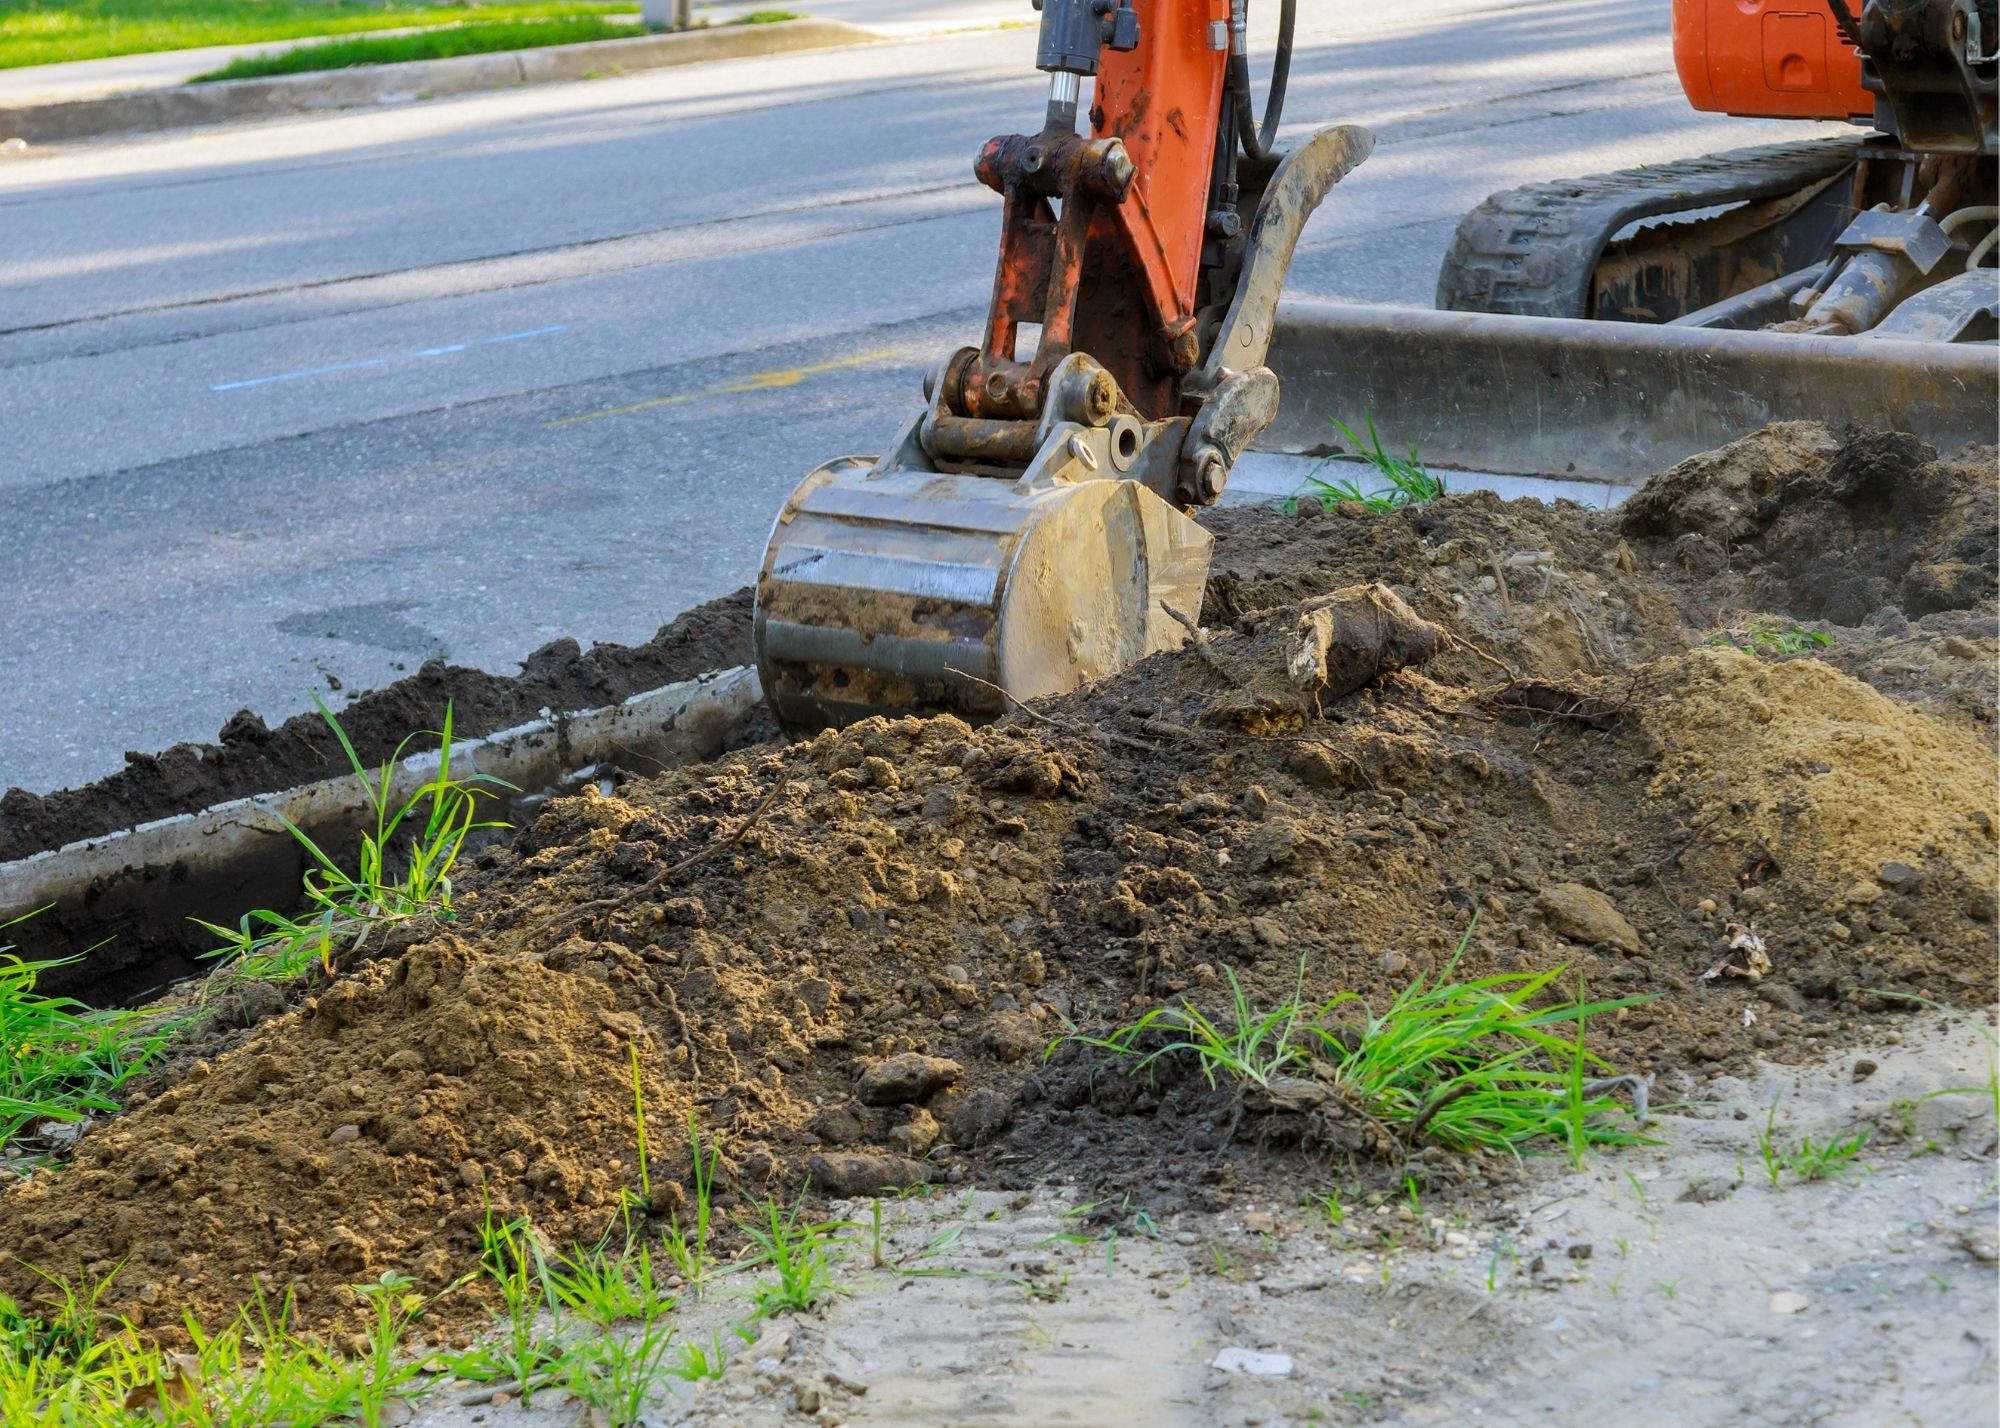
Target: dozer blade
888, 591
1610, 400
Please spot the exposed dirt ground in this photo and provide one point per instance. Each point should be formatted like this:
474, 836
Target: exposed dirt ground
845, 957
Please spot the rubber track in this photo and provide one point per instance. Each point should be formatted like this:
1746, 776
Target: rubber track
1531, 251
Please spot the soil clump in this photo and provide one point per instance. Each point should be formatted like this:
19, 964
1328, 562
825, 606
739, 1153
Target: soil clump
845, 958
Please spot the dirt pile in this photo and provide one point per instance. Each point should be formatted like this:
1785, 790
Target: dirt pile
846, 957
249, 757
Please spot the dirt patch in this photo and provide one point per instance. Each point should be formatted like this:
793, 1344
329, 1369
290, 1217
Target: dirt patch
248, 757
845, 957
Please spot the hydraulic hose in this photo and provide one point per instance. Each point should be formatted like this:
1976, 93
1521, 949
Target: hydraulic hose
1258, 145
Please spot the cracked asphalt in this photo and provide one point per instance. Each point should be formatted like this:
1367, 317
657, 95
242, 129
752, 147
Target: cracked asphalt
305, 402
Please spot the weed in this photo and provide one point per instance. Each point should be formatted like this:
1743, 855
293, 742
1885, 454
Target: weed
689, 1252
1768, 637
1409, 481
614, 1373
1247, 1047
639, 1120
702, 1361
1639, 1190
1669, 1287
1808, 1160
524, 1356
800, 1256
1826, 1160
59, 1059
344, 908
1469, 1065
61, 1327
1328, 1204
603, 1289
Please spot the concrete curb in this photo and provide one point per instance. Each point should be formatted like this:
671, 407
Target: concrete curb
190, 105
134, 891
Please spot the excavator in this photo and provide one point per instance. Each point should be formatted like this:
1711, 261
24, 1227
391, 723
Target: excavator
1029, 529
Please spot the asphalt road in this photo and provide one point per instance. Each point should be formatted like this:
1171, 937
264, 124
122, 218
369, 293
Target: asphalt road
311, 401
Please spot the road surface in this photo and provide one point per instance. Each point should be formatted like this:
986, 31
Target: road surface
311, 401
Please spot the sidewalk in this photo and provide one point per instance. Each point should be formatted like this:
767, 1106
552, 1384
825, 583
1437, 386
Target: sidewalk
165, 69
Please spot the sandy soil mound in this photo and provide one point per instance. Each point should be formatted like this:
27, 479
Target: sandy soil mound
846, 957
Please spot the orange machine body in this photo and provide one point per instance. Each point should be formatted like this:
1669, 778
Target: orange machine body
1768, 59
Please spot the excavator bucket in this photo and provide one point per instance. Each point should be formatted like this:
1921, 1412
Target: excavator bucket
887, 589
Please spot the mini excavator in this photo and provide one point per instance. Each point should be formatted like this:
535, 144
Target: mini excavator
1027, 531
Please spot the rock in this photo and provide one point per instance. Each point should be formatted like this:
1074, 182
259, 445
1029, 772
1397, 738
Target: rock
1787, 1301
904, 1078
1898, 877
1959, 647
1863, 1069
1014, 1037
1587, 916
341, 1135
849, 1176
1269, 933
1253, 1362
979, 1117
1260, 1222
915, 1136
1394, 963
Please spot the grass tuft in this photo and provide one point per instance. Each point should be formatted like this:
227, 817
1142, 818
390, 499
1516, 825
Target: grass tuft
1469, 1065
61, 1060
1407, 481
403, 870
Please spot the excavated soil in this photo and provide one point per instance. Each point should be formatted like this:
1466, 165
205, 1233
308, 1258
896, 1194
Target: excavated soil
250, 757
846, 957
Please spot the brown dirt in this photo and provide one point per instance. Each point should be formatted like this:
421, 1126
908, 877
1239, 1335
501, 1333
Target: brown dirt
249, 757
770, 930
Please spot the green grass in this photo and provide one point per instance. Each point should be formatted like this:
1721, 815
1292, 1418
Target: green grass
1768, 637
403, 870
478, 38
55, 31
799, 1256
1468, 1065
1406, 481
61, 1060
1807, 1159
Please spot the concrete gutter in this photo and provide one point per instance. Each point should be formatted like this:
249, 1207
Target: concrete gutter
190, 105
128, 896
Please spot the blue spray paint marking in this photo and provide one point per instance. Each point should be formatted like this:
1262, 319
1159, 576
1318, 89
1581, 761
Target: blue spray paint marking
385, 361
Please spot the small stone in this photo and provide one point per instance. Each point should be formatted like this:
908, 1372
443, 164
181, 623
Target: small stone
1260, 1222
1457, 1237
1394, 962
908, 1077
1959, 647
341, 1135
1269, 933
1864, 1068
847, 1177
1585, 915
1580, 1252
1787, 1301
1898, 877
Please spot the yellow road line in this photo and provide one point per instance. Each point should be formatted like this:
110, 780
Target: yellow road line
755, 382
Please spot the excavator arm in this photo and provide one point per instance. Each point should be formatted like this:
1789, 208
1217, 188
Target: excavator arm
1028, 531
